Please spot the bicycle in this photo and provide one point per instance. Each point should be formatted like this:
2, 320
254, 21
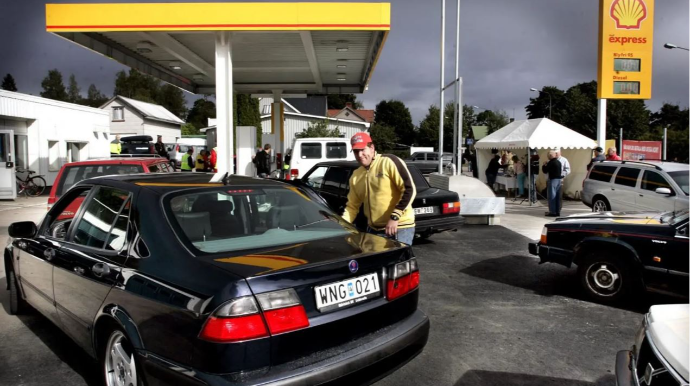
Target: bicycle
30, 186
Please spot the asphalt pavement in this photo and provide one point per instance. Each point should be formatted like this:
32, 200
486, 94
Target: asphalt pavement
497, 318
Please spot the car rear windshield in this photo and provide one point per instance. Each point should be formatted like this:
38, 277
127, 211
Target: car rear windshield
74, 174
231, 219
419, 181
681, 178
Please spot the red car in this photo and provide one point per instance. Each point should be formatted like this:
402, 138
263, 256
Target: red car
74, 172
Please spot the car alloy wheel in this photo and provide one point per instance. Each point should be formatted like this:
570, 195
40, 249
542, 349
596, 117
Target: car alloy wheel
604, 278
120, 365
600, 206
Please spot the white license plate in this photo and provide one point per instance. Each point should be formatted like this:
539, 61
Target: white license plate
424, 210
347, 292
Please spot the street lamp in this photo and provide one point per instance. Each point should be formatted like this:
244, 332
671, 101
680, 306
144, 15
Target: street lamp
672, 46
547, 93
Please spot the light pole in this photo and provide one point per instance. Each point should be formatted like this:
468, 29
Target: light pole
672, 46
547, 93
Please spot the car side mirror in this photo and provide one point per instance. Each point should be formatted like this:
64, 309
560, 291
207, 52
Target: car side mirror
665, 191
23, 229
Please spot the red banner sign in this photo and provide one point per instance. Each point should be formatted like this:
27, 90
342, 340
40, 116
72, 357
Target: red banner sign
641, 150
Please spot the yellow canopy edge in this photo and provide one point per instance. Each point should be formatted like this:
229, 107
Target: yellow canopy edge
217, 17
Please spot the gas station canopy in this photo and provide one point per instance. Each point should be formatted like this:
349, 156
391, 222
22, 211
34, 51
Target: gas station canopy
297, 48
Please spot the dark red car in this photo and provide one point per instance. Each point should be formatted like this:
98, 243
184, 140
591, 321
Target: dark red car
74, 172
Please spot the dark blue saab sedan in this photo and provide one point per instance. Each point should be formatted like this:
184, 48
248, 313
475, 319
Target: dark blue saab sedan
179, 280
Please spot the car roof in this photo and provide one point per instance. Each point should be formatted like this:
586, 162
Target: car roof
164, 182
118, 161
665, 166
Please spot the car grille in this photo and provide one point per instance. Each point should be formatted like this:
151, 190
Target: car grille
651, 369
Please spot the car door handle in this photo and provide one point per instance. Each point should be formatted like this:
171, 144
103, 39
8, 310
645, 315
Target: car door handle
641, 195
79, 270
100, 269
49, 254
613, 189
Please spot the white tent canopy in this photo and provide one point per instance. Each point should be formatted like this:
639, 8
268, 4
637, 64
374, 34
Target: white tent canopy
540, 134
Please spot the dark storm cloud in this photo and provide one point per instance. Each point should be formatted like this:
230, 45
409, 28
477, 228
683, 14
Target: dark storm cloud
506, 47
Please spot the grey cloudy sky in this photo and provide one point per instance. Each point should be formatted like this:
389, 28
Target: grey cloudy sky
506, 47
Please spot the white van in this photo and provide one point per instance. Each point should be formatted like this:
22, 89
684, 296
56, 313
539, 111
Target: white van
307, 152
177, 150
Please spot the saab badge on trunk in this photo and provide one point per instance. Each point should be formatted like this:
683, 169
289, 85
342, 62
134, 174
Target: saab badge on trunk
353, 266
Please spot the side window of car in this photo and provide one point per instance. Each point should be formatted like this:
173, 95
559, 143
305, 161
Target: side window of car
653, 180
627, 177
104, 222
602, 173
431, 157
336, 180
336, 150
153, 168
310, 150
315, 178
61, 215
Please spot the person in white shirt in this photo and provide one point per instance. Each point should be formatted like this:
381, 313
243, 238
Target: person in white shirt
565, 170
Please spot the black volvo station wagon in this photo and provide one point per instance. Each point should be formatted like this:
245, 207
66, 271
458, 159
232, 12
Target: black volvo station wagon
176, 279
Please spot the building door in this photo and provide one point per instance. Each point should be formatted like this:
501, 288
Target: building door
8, 186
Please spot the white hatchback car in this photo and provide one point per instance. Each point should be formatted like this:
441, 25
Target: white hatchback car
636, 186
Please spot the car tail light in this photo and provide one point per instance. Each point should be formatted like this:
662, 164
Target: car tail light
177, 147
451, 207
236, 320
294, 174
544, 232
402, 278
51, 201
283, 311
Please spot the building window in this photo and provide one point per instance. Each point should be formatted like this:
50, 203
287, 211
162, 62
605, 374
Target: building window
21, 151
53, 156
118, 113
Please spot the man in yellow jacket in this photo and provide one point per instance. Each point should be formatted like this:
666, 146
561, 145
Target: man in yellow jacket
384, 185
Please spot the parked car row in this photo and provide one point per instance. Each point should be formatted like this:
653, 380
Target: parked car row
621, 254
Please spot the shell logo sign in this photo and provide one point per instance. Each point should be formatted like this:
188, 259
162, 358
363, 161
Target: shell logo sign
628, 14
626, 35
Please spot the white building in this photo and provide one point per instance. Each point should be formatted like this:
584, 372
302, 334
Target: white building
43, 134
132, 117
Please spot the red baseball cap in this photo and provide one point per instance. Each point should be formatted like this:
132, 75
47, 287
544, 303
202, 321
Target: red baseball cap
360, 140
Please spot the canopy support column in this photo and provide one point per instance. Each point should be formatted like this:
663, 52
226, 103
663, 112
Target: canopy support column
225, 133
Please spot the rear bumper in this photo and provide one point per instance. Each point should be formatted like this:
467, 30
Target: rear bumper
624, 376
439, 224
549, 254
368, 362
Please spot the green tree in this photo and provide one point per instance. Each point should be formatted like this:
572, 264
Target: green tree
428, 128
246, 111
671, 116
73, 90
137, 86
94, 98
581, 109
8, 83
548, 96
383, 137
189, 129
172, 98
338, 101
395, 114
53, 88
630, 114
318, 129
200, 112
493, 120
469, 119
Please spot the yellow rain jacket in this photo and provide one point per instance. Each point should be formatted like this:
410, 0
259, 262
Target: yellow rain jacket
385, 188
